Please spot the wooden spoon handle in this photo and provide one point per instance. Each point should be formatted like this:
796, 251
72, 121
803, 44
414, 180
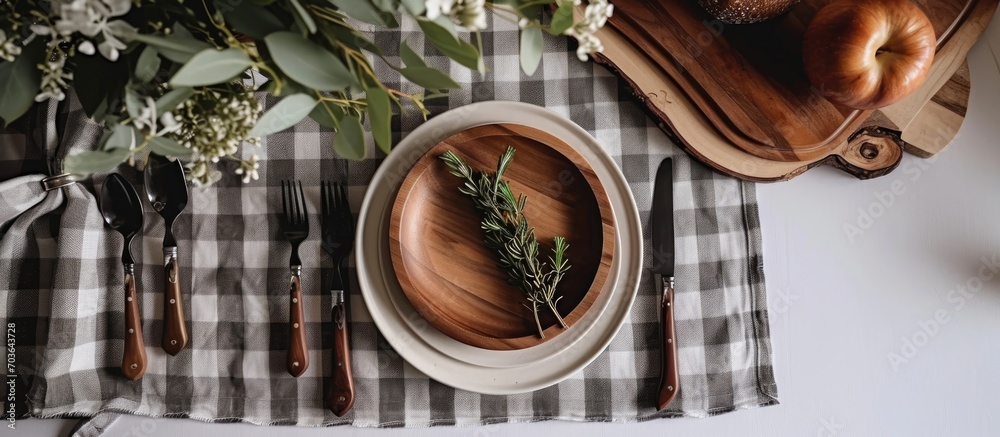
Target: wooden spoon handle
298, 354
340, 397
134, 358
669, 375
175, 335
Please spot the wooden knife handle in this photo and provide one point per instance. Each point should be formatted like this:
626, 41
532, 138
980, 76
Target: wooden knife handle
134, 358
340, 397
298, 354
669, 375
175, 335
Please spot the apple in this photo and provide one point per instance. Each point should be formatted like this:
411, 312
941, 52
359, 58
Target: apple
868, 54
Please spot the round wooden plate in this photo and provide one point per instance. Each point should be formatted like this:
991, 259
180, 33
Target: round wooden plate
443, 265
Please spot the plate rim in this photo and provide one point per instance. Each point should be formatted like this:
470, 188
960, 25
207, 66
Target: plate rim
404, 343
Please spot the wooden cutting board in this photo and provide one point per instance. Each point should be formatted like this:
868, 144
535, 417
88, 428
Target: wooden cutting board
767, 127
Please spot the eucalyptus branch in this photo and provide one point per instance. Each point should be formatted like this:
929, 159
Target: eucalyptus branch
507, 232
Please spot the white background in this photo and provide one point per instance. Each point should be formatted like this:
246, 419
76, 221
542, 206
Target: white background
840, 307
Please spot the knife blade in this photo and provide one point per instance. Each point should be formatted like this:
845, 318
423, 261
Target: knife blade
662, 225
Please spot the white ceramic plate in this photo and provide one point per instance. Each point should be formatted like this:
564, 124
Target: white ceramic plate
470, 368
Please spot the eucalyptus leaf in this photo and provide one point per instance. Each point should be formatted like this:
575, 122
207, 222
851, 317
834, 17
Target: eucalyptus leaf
531, 49
168, 147
169, 101
122, 137
446, 23
133, 102
175, 47
352, 38
380, 117
308, 63
252, 20
365, 11
458, 50
410, 58
285, 114
386, 5
327, 114
350, 139
212, 66
562, 19
147, 65
414, 7
19, 82
303, 15
429, 78
95, 161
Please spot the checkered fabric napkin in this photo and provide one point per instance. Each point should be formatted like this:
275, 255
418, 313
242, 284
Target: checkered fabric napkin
62, 289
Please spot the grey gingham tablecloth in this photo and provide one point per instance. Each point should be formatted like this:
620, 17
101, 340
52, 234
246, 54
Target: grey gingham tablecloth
60, 277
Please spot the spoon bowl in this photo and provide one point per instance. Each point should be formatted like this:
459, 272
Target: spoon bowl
122, 211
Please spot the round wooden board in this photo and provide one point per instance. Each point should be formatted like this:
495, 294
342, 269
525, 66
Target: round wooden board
922, 124
749, 82
443, 265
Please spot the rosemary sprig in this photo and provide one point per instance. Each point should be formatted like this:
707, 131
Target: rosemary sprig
507, 232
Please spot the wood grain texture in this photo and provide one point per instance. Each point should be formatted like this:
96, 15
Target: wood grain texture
683, 120
298, 352
175, 335
340, 396
443, 265
134, 357
670, 379
749, 81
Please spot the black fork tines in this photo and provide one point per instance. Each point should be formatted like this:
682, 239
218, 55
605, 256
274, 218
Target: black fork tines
295, 214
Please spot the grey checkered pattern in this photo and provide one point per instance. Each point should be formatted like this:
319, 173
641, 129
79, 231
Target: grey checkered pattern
63, 290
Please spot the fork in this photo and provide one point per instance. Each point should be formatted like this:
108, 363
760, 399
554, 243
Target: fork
338, 239
295, 226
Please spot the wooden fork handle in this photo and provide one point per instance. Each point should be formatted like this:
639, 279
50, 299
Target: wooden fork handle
340, 396
134, 357
175, 335
669, 375
298, 354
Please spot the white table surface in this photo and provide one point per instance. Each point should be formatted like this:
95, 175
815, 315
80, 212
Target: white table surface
842, 300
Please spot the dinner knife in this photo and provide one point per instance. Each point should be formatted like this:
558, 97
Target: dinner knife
662, 225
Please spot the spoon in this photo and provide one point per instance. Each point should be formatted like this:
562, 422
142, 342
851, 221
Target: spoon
166, 189
123, 212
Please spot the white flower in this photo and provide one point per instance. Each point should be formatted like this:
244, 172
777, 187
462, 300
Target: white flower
86, 47
169, 123
470, 14
9, 49
149, 121
437, 8
595, 16
249, 169
92, 18
54, 78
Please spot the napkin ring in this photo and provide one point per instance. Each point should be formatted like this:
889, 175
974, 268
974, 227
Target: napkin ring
58, 181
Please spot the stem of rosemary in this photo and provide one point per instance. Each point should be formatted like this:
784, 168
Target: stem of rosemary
507, 232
